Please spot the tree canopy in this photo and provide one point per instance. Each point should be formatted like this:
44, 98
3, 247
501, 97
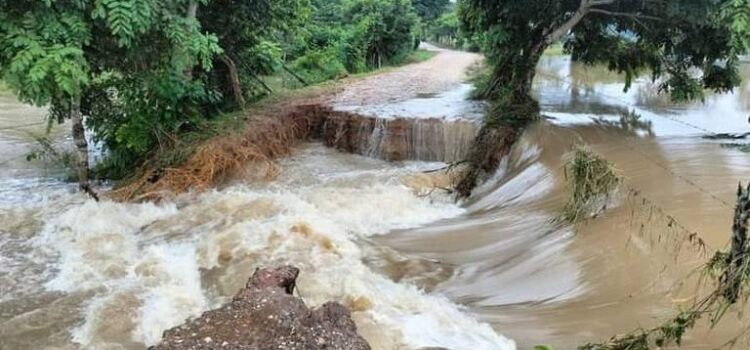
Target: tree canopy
429, 10
685, 45
55, 52
141, 72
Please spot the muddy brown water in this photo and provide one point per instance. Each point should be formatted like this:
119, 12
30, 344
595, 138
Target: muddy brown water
418, 270
628, 268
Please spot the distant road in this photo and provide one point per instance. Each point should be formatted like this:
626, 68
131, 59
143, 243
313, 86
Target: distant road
441, 73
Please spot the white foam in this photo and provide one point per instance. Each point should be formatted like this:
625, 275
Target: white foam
96, 242
156, 254
171, 276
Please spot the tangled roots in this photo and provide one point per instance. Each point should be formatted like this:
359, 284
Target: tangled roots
250, 154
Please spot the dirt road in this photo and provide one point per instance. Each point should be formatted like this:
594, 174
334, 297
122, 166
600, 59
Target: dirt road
447, 69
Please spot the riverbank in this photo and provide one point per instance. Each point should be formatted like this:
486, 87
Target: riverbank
117, 274
415, 269
247, 142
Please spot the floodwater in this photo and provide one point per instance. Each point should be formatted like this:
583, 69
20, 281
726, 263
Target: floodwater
630, 267
418, 270
450, 105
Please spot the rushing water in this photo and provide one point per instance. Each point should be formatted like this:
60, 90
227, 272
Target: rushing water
628, 268
418, 270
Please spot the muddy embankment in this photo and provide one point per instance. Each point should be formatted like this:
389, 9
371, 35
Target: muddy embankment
251, 153
397, 139
269, 316
261, 315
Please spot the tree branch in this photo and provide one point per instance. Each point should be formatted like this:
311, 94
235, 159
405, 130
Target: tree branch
572, 22
592, 3
586, 7
625, 14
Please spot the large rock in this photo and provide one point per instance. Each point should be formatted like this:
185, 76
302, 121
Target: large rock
265, 315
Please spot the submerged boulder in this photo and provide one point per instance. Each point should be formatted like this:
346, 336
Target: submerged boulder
265, 315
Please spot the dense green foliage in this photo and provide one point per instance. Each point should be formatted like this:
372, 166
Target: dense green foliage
251, 34
686, 45
430, 10
352, 36
137, 55
143, 72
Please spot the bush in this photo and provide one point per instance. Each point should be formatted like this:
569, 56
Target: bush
320, 65
133, 116
385, 29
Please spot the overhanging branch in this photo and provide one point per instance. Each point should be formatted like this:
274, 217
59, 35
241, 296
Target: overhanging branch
586, 7
625, 14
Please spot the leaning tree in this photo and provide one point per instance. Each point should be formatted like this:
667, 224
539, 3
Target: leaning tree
686, 45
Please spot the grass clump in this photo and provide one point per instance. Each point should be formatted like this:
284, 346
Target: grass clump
417, 56
591, 179
4, 89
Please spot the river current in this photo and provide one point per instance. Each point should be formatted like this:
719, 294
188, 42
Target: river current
417, 269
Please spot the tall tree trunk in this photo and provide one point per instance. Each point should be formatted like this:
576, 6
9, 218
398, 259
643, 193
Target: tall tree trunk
82, 148
509, 114
190, 15
512, 109
234, 80
192, 10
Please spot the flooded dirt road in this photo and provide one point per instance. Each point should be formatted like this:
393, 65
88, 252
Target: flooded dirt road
440, 74
417, 269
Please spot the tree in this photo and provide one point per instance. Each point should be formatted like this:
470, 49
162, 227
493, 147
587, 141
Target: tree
351, 36
139, 56
42, 59
445, 29
247, 32
430, 10
383, 29
686, 45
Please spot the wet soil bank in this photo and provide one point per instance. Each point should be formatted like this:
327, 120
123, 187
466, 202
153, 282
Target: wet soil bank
251, 153
397, 139
392, 139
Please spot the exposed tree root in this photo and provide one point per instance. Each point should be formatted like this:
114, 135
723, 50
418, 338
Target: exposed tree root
504, 123
263, 140
491, 145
